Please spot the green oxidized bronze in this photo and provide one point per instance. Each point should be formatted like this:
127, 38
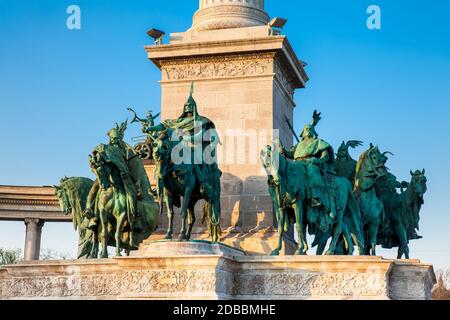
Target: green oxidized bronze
116, 209
308, 192
72, 195
353, 203
345, 164
144, 149
401, 210
187, 169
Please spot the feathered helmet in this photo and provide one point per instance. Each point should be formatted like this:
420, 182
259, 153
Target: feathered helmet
119, 131
312, 127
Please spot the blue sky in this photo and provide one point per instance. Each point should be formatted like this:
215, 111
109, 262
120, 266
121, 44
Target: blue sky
61, 90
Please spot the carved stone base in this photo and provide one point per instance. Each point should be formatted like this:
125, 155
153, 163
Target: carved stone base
253, 242
224, 274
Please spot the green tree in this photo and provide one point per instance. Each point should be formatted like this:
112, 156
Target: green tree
10, 256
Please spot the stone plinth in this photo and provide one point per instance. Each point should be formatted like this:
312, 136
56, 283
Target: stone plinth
183, 248
218, 272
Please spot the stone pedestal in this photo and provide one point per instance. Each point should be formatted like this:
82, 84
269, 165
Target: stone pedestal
199, 270
33, 239
245, 78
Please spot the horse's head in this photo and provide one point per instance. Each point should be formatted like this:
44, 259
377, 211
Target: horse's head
375, 162
100, 168
63, 199
161, 148
270, 160
419, 183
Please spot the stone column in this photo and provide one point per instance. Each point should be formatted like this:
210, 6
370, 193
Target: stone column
33, 239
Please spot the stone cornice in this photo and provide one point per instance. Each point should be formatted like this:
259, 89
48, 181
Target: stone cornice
18, 203
192, 50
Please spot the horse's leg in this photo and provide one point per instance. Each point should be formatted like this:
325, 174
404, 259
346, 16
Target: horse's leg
191, 219
321, 243
97, 244
399, 252
358, 243
104, 233
184, 210
94, 248
119, 224
373, 232
301, 229
348, 240
169, 207
281, 214
336, 234
366, 250
403, 247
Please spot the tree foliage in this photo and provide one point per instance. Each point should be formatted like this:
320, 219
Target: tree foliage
10, 256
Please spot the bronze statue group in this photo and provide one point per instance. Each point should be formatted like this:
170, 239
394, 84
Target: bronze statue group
338, 200
343, 203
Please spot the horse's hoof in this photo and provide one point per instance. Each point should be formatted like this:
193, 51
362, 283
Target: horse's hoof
275, 253
168, 236
300, 252
330, 253
183, 237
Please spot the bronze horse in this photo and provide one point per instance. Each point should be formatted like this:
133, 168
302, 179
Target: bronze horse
404, 221
176, 181
288, 188
370, 168
112, 205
